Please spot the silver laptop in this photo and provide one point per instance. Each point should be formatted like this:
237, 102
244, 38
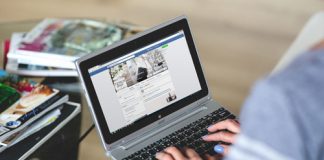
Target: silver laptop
148, 92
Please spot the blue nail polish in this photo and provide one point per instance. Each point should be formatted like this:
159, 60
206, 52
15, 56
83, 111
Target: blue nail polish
219, 149
203, 137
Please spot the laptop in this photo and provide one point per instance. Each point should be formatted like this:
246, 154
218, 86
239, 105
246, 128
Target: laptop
148, 92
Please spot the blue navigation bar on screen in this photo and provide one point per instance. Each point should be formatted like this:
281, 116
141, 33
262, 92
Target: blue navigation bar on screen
138, 54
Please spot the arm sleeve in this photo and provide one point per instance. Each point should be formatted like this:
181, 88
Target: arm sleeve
265, 124
282, 118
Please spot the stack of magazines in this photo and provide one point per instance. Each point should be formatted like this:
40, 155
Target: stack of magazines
25, 108
51, 47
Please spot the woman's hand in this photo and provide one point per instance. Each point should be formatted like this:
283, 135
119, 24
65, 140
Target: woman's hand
224, 131
173, 153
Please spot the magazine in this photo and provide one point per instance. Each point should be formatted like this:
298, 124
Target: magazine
40, 124
15, 114
54, 119
28, 109
13, 54
44, 121
34, 100
8, 96
13, 66
64, 40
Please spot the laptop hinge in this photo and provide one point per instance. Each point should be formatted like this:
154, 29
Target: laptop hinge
209, 98
160, 129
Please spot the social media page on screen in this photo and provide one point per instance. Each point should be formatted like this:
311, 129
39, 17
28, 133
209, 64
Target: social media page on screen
145, 81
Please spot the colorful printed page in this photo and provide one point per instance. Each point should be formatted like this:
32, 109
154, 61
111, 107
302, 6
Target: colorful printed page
12, 117
69, 37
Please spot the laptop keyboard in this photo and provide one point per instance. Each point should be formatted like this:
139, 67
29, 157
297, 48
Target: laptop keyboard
189, 136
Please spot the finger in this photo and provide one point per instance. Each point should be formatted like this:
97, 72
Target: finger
175, 153
192, 154
222, 136
221, 149
163, 156
215, 157
229, 124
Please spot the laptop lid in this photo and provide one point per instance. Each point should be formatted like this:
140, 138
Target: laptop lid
142, 79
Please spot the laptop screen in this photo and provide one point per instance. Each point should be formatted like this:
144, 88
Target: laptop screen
145, 81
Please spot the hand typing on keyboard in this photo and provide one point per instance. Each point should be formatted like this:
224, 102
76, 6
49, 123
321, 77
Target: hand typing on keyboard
223, 132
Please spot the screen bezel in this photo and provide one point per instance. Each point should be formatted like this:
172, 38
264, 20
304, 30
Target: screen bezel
127, 48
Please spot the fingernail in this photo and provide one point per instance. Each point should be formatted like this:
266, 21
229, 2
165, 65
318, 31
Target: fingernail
204, 137
157, 155
219, 149
209, 126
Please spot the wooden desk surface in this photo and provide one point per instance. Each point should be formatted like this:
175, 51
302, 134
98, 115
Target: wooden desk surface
239, 41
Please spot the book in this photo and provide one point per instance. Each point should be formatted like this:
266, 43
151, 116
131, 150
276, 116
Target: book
58, 42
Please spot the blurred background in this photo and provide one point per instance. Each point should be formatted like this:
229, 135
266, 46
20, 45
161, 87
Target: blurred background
239, 41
